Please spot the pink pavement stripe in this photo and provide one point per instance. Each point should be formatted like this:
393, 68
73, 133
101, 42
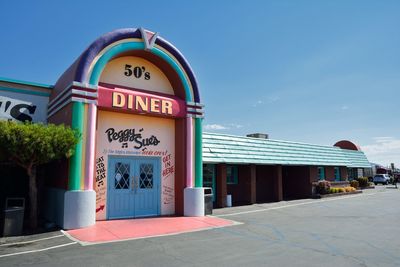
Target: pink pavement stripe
114, 230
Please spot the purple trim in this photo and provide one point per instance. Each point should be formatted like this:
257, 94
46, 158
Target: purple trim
87, 57
94, 49
174, 51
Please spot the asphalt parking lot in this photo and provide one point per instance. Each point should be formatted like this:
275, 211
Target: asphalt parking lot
353, 230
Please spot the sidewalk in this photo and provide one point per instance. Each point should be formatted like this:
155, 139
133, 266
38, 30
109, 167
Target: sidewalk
118, 230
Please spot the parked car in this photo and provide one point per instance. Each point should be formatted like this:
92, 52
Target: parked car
381, 179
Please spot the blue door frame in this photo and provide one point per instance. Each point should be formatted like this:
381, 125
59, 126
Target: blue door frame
133, 187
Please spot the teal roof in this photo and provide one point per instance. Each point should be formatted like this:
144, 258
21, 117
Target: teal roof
47, 86
357, 159
220, 148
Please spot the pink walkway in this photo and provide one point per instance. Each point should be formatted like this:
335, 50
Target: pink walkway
115, 230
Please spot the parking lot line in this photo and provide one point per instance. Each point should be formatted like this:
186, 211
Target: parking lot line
293, 205
30, 241
37, 250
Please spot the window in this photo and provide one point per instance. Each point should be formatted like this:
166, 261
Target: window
208, 175
121, 177
146, 176
209, 178
352, 173
337, 174
321, 173
231, 174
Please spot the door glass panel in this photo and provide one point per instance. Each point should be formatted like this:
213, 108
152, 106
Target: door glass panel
146, 176
121, 175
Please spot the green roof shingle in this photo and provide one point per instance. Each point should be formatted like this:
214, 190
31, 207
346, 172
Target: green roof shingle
220, 148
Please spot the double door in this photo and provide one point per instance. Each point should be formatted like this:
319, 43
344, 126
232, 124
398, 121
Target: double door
133, 187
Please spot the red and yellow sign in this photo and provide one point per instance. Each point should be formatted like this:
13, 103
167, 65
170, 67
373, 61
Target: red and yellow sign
140, 102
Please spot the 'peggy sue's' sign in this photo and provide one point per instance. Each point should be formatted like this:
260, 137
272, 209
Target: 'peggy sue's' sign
140, 102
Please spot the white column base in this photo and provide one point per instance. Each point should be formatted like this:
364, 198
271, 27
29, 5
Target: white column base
229, 200
79, 209
193, 201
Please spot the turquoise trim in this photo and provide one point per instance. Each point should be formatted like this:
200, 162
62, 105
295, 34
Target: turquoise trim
167, 58
27, 92
321, 173
107, 56
2, 79
75, 167
121, 48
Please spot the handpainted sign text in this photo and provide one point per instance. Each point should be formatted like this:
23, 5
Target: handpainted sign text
133, 136
13, 109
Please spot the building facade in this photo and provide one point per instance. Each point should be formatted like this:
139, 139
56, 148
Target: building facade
256, 170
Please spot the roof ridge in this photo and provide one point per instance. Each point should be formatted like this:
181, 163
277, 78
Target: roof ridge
48, 86
243, 149
273, 140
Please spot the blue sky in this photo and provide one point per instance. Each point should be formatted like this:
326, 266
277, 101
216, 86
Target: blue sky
307, 71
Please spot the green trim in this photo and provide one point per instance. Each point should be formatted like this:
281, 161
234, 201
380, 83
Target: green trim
121, 48
75, 168
2, 79
321, 173
107, 56
167, 58
23, 91
198, 180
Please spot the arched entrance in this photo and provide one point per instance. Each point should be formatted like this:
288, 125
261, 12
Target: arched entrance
135, 99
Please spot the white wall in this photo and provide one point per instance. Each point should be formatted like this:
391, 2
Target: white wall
20, 106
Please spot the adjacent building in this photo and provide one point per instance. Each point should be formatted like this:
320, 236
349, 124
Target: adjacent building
253, 170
